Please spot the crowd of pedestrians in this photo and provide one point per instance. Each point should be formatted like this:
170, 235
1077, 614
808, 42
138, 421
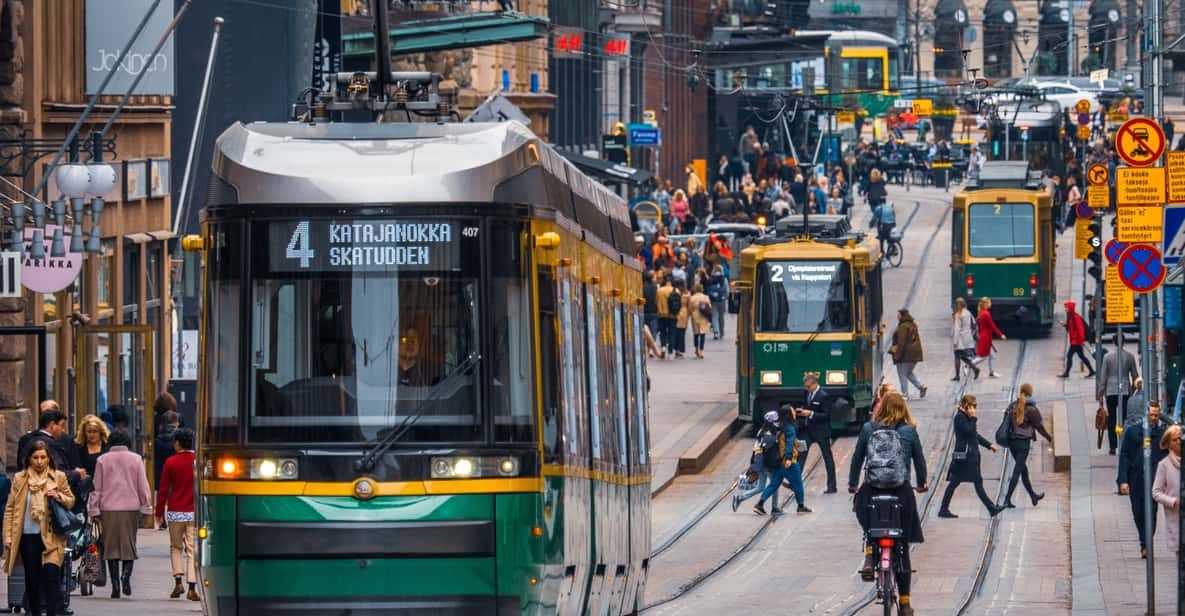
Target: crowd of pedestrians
74, 496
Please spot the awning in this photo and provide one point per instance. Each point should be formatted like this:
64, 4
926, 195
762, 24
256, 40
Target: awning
1000, 14
1105, 10
951, 9
607, 171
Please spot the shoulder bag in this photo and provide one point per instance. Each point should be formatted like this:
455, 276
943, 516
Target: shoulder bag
1004, 431
1100, 425
62, 520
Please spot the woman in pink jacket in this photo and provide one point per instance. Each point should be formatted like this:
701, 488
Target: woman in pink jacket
1166, 487
121, 495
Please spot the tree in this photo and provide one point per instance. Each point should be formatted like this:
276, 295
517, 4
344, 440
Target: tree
1092, 62
1046, 63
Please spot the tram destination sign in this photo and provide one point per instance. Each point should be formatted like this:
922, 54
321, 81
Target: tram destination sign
366, 246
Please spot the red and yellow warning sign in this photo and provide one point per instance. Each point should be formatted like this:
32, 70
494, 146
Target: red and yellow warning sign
1176, 177
1140, 142
1098, 174
1138, 186
1140, 223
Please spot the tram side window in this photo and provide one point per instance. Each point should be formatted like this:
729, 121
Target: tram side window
861, 74
641, 387
572, 337
594, 371
873, 299
1001, 230
606, 404
510, 344
549, 366
619, 392
224, 333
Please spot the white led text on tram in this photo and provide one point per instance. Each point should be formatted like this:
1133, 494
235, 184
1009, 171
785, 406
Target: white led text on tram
320, 245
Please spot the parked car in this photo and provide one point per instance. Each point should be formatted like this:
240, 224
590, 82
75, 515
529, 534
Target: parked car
1109, 91
1063, 93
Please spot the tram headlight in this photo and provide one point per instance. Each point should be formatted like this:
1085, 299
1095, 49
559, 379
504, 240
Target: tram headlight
771, 377
272, 468
837, 377
508, 467
466, 467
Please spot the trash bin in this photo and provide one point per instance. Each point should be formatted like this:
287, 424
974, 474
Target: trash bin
939, 177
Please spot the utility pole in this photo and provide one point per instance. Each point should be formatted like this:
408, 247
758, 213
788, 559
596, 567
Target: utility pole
917, 41
1150, 302
1069, 39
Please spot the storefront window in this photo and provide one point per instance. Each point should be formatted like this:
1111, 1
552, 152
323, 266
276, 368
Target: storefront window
131, 283
154, 277
106, 273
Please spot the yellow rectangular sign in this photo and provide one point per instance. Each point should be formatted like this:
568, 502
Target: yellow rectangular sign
845, 117
1176, 177
923, 106
1139, 185
1116, 116
1121, 304
1098, 197
1082, 247
1140, 224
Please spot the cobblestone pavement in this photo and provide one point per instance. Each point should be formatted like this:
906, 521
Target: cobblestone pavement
151, 583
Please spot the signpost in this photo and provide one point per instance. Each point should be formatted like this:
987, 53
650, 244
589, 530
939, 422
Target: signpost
1140, 142
1139, 186
1082, 236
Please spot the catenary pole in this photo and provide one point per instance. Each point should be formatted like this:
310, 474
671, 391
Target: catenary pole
1149, 313
199, 121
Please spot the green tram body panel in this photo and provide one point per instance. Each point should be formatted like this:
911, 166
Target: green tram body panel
1006, 280
857, 351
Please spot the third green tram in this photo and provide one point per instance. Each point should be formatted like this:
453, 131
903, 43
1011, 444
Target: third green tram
422, 385
1002, 246
810, 303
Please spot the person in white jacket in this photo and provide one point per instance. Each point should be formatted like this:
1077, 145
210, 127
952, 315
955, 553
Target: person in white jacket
963, 337
1167, 485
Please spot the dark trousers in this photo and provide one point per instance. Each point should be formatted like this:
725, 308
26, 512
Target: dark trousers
1136, 496
965, 356
652, 323
1019, 448
1076, 349
680, 345
1115, 413
666, 334
699, 341
979, 491
42, 582
825, 449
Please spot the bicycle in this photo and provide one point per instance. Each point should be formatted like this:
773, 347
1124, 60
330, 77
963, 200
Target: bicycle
885, 533
894, 253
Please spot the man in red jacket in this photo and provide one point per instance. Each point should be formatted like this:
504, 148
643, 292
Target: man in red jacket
174, 503
1076, 330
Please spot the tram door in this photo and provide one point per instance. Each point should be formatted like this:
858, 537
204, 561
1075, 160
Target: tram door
119, 369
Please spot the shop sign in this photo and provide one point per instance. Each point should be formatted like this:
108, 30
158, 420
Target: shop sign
1140, 223
1138, 186
51, 274
845, 8
1121, 304
923, 106
108, 29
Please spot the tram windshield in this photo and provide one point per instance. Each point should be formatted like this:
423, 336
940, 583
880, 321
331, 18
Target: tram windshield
354, 326
804, 297
1001, 230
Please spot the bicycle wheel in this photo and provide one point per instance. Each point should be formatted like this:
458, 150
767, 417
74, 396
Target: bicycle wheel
896, 254
889, 589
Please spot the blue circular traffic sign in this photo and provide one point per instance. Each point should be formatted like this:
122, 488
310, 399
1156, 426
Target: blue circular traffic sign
1083, 119
1113, 250
1140, 268
1084, 210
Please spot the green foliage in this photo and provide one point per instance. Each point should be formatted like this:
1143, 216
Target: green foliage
1046, 63
1091, 62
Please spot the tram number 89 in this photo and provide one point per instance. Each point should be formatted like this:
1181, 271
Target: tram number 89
1018, 292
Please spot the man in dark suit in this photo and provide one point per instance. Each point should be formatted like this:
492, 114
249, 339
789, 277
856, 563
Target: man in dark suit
814, 422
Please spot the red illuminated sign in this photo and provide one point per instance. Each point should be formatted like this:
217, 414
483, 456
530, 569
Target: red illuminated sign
570, 43
617, 47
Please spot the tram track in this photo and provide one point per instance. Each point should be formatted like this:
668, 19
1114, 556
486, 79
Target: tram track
753, 538
944, 459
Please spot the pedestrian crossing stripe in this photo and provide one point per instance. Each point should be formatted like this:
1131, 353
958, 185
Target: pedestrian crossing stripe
10, 274
1174, 234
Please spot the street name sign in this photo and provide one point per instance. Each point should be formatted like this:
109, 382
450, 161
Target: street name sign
1137, 186
1121, 302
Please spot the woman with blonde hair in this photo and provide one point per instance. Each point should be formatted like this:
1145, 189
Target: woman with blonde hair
1024, 424
1165, 489
894, 425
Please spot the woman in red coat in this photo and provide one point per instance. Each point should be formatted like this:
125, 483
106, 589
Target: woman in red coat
987, 333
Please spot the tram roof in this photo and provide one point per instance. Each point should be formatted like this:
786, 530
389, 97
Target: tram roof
295, 163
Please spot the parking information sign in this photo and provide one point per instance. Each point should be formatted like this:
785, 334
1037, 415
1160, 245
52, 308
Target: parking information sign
1140, 223
1121, 302
1176, 177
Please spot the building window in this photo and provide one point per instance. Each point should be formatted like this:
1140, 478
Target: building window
106, 271
997, 52
131, 283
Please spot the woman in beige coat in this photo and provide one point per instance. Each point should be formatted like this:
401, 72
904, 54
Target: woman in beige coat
682, 319
27, 529
701, 318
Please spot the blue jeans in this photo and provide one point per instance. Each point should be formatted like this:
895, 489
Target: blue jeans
792, 475
762, 481
719, 308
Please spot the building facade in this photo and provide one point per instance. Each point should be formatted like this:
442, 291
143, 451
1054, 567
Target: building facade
109, 329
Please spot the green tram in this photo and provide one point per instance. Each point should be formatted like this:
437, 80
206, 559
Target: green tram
811, 303
422, 386
1002, 246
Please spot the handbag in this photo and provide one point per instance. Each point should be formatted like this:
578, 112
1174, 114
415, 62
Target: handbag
62, 520
1100, 425
961, 455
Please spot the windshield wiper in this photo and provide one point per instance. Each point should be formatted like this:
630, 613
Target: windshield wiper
815, 334
367, 462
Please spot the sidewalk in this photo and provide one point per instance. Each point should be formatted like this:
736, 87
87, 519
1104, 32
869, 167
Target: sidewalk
151, 583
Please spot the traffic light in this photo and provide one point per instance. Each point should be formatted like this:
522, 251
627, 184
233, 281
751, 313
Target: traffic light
1095, 258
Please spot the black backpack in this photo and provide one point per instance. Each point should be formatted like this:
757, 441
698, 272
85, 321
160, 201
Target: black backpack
674, 303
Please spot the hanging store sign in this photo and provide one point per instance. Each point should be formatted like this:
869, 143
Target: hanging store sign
108, 29
51, 274
617, 47
568, 41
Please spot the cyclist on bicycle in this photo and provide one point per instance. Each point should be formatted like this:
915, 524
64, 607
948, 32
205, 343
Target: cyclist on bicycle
892, 431
884, 218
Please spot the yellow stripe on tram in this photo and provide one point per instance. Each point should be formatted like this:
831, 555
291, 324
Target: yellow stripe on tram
385, 488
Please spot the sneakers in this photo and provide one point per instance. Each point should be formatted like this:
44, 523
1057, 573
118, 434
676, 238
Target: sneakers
994, 375
995, 511
736, 502
776, 511
759, 508
923, 391
946, 514
804, 509
1064, 375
